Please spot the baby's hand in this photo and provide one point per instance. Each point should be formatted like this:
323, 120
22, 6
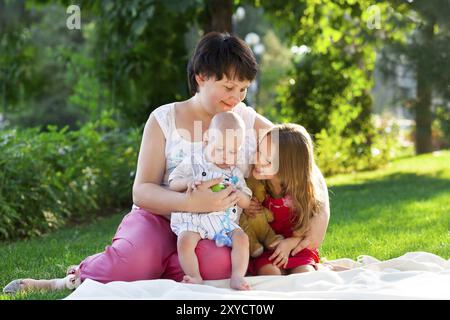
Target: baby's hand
193, 185
228, 183
254, 208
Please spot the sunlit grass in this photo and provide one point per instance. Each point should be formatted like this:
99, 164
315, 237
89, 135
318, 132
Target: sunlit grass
386, 213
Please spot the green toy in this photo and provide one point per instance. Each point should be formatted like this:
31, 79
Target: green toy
218, 187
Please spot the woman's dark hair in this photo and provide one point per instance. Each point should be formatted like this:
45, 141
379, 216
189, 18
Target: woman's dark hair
219, 54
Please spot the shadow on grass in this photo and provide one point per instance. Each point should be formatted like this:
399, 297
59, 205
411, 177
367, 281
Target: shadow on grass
390, 216
358, 202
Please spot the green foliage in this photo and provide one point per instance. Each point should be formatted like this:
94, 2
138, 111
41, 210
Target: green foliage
441, 126
37, 95
423, 49
329, 87
141, 54
428, 40
16, 55
128, 56
275, 64
50, 178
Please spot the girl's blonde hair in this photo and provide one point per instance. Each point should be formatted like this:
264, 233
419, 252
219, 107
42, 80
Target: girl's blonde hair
298, 174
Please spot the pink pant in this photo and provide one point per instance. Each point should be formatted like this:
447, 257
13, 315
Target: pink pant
144, 247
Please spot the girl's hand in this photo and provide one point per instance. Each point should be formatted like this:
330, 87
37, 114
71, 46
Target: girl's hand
203, 199
307, 241
283, 248
254, 208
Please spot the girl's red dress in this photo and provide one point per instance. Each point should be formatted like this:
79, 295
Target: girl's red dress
283, 224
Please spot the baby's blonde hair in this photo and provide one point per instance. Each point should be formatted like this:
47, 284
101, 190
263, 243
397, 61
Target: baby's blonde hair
224, 121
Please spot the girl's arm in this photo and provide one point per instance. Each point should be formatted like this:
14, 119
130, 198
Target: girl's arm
319, 223
150, 195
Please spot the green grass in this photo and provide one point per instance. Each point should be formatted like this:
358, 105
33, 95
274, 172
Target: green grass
49, 256
384, 213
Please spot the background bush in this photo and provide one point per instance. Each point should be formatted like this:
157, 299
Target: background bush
51, 178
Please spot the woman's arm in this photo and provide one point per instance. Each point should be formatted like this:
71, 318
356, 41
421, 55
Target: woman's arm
180, 184
150, 195
319, 223
147, 190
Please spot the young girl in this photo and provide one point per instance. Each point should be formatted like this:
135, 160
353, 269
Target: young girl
296, 193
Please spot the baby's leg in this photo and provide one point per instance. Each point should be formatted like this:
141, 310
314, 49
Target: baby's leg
239, 260
187, 241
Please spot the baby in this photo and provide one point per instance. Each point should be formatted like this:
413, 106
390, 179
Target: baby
218, 158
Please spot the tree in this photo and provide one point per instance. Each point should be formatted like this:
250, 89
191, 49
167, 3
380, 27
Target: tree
15, 53
217, 15
329, 90
426, 47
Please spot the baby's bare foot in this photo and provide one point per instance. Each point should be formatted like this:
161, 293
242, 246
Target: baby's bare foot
192, 280
239, 283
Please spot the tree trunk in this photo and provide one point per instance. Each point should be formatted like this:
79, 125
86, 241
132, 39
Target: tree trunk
423, 99
218, 16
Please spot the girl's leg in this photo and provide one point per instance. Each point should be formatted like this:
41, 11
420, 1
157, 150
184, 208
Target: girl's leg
187, 242
302, 269
239, 260
270, 270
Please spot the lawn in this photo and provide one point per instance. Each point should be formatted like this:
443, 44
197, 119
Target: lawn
384, 213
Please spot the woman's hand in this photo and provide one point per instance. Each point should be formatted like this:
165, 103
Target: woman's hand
203, 199
283, 248
254, 208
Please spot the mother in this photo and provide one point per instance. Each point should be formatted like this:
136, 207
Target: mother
144, 247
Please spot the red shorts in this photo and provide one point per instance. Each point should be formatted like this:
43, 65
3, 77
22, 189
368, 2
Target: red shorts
304, 257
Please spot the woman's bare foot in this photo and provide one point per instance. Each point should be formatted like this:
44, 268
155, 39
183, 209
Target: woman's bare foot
192, 280
22, 285
239, 283
73, 269
71, 281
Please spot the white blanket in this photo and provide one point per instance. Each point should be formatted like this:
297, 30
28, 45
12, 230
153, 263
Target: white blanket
415, 275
